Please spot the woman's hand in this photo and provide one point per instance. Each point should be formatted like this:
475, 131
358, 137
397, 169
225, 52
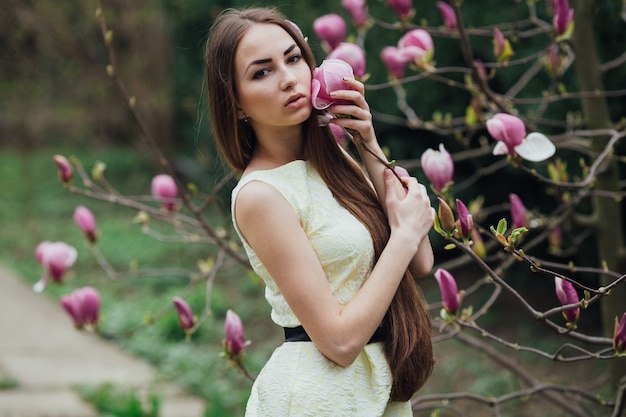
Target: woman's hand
360, 119
409, 212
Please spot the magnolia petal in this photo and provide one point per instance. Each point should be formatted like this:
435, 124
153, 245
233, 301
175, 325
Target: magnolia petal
536, 147
317, 102
40, 285
500, 149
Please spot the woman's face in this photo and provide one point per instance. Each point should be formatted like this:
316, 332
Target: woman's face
273, 79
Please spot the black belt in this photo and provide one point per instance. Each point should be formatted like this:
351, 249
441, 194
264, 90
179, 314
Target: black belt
298, 334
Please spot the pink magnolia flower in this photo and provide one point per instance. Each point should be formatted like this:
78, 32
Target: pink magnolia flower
352, 54
395, 61
403, 8
164, 188
185, 315
339, 133
447, 13
233, 330
438, 166
56, 258
328, 77
83, 306
358, 10
510, 133
501, 46
402, 172
619, 335
566, 294
449, 291
466, 221
86, 222
518, 211
331, 29
417, 46
563, 17
66, 173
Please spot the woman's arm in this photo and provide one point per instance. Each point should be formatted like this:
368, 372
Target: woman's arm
273, 230
422, 262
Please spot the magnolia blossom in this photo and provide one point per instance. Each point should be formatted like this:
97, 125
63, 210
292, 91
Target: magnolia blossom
339, 133
417, 46
401, 171
86, 222
395, 61
438, 167
403, 8
518, 211
56, 258
83, 306
352, 54
233, 330
563, 16
329, 77
466, 221
331, 29
447, 13
566, 294
185, 315
619, 335
448, 289
66, 173
501, 46
510, 133
358, 10
164, 188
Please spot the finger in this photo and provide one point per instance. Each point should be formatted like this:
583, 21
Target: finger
391, 187
355, 84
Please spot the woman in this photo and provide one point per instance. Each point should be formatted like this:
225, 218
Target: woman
334, 251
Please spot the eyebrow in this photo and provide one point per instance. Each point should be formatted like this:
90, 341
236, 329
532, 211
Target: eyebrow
266, 60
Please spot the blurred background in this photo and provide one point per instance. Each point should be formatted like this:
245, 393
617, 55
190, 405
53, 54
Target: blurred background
56, 98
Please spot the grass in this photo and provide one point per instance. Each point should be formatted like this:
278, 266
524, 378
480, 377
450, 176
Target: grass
35, 207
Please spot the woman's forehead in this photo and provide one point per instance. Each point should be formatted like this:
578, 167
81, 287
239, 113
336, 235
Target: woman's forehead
264, 38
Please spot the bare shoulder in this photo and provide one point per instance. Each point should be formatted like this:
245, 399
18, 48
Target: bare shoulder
259, 207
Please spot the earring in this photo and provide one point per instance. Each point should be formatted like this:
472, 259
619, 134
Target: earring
243, 116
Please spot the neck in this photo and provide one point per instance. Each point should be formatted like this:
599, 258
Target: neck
280, 146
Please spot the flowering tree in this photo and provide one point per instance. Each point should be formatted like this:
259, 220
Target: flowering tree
503, 132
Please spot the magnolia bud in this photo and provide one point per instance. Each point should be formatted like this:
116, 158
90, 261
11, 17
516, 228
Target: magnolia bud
185, 315
446, 217
233, 330
86, 222
164, 188
619, 335
66, 173
566, 294
449, 291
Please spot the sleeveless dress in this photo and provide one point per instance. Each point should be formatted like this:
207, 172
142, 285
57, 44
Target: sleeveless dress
298, 380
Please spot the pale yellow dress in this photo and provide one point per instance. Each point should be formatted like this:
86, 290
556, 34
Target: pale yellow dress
298, 380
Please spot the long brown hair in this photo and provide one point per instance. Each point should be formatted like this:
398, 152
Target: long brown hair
408, 347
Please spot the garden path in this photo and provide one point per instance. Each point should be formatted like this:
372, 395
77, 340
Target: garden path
42, 357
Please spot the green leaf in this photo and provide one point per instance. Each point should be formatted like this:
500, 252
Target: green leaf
502, 226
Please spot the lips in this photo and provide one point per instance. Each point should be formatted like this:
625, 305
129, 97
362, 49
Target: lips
294, 98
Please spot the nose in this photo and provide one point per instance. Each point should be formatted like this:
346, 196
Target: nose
289, 79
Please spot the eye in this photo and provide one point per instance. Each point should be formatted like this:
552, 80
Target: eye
260, 73
294, 58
